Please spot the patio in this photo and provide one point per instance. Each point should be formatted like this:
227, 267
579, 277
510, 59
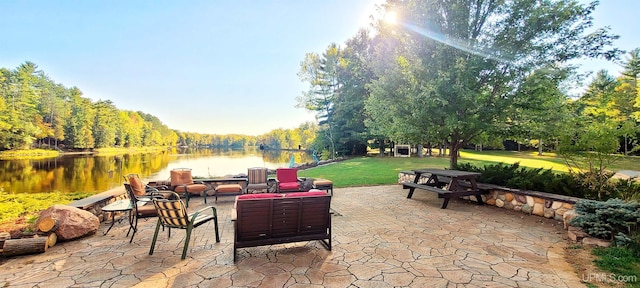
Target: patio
380, 239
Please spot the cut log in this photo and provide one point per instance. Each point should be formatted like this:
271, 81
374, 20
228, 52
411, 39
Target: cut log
14, 247
3, 237
47, 224
52, 239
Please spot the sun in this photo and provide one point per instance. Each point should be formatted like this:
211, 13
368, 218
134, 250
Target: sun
391, 18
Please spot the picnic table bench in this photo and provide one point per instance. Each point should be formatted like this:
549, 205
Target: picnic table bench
461, 183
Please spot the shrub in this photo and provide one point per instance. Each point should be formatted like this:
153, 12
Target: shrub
578, 185
14, 205
612, 220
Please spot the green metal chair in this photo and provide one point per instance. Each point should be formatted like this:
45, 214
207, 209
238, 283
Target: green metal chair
172, 213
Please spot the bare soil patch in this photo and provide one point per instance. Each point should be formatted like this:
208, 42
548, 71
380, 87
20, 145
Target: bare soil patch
581, 258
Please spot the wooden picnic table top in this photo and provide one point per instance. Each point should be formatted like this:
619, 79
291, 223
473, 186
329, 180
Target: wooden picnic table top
447, 173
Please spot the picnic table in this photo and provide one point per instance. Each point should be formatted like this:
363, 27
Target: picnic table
447, 183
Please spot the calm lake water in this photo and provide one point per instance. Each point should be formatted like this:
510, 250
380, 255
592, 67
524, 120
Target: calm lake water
80, 173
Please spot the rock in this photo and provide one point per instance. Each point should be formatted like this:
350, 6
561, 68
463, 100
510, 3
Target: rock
508, 205
567, 216
521, 198
529, 201
491, 201
576, 234
561, 211
538, 209
499, 203
559, 215
526, 208
556, 205
72, 222
590, 241
549, 213
548, 203
508, 197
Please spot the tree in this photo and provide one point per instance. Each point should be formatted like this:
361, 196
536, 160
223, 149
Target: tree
588, 145
539, 108
354, 73
627, 96
78, 126
105, 124
459, 64
322, 75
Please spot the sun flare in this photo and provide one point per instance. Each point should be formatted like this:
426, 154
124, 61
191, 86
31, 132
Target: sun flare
391, 18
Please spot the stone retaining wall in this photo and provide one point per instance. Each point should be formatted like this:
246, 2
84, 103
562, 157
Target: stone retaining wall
96, 207
531, 202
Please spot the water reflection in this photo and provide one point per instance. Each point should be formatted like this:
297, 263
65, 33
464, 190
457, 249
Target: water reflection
71, 173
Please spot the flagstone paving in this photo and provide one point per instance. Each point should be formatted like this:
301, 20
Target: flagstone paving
380, 239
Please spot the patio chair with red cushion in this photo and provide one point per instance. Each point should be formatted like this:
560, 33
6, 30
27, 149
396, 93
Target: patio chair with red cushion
287, 179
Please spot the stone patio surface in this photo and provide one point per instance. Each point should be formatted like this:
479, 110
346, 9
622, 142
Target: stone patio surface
380, 239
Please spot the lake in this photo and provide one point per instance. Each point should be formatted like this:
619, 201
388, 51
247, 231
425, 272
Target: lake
92, 173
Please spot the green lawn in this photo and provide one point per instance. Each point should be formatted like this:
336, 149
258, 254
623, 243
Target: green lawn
368, 171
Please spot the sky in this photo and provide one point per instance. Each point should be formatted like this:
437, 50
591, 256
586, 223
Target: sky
212, 67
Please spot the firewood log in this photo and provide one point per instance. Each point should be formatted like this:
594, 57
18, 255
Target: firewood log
14, 247
52, 239
3, 237
47, 224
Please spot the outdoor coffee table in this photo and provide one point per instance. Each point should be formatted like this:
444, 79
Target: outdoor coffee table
119, 206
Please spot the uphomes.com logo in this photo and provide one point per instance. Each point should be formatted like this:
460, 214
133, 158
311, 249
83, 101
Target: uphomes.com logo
607, 278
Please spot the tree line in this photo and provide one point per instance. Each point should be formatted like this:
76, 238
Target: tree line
470, 73
37, 112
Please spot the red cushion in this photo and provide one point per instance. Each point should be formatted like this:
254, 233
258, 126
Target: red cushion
306, 194
259, 196
287, 174
289, 186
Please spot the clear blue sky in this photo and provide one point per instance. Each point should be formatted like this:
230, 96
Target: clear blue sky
215, 67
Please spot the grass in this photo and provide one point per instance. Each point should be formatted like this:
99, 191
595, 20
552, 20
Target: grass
28, 154
384, 170
13, 206
369, 171
526, 159
623, 263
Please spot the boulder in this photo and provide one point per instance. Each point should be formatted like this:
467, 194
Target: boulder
72, 222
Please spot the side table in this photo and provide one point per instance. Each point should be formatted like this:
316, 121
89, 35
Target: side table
118, 206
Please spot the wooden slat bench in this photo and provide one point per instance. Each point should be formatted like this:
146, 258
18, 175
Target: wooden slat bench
446, 194
412, 186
